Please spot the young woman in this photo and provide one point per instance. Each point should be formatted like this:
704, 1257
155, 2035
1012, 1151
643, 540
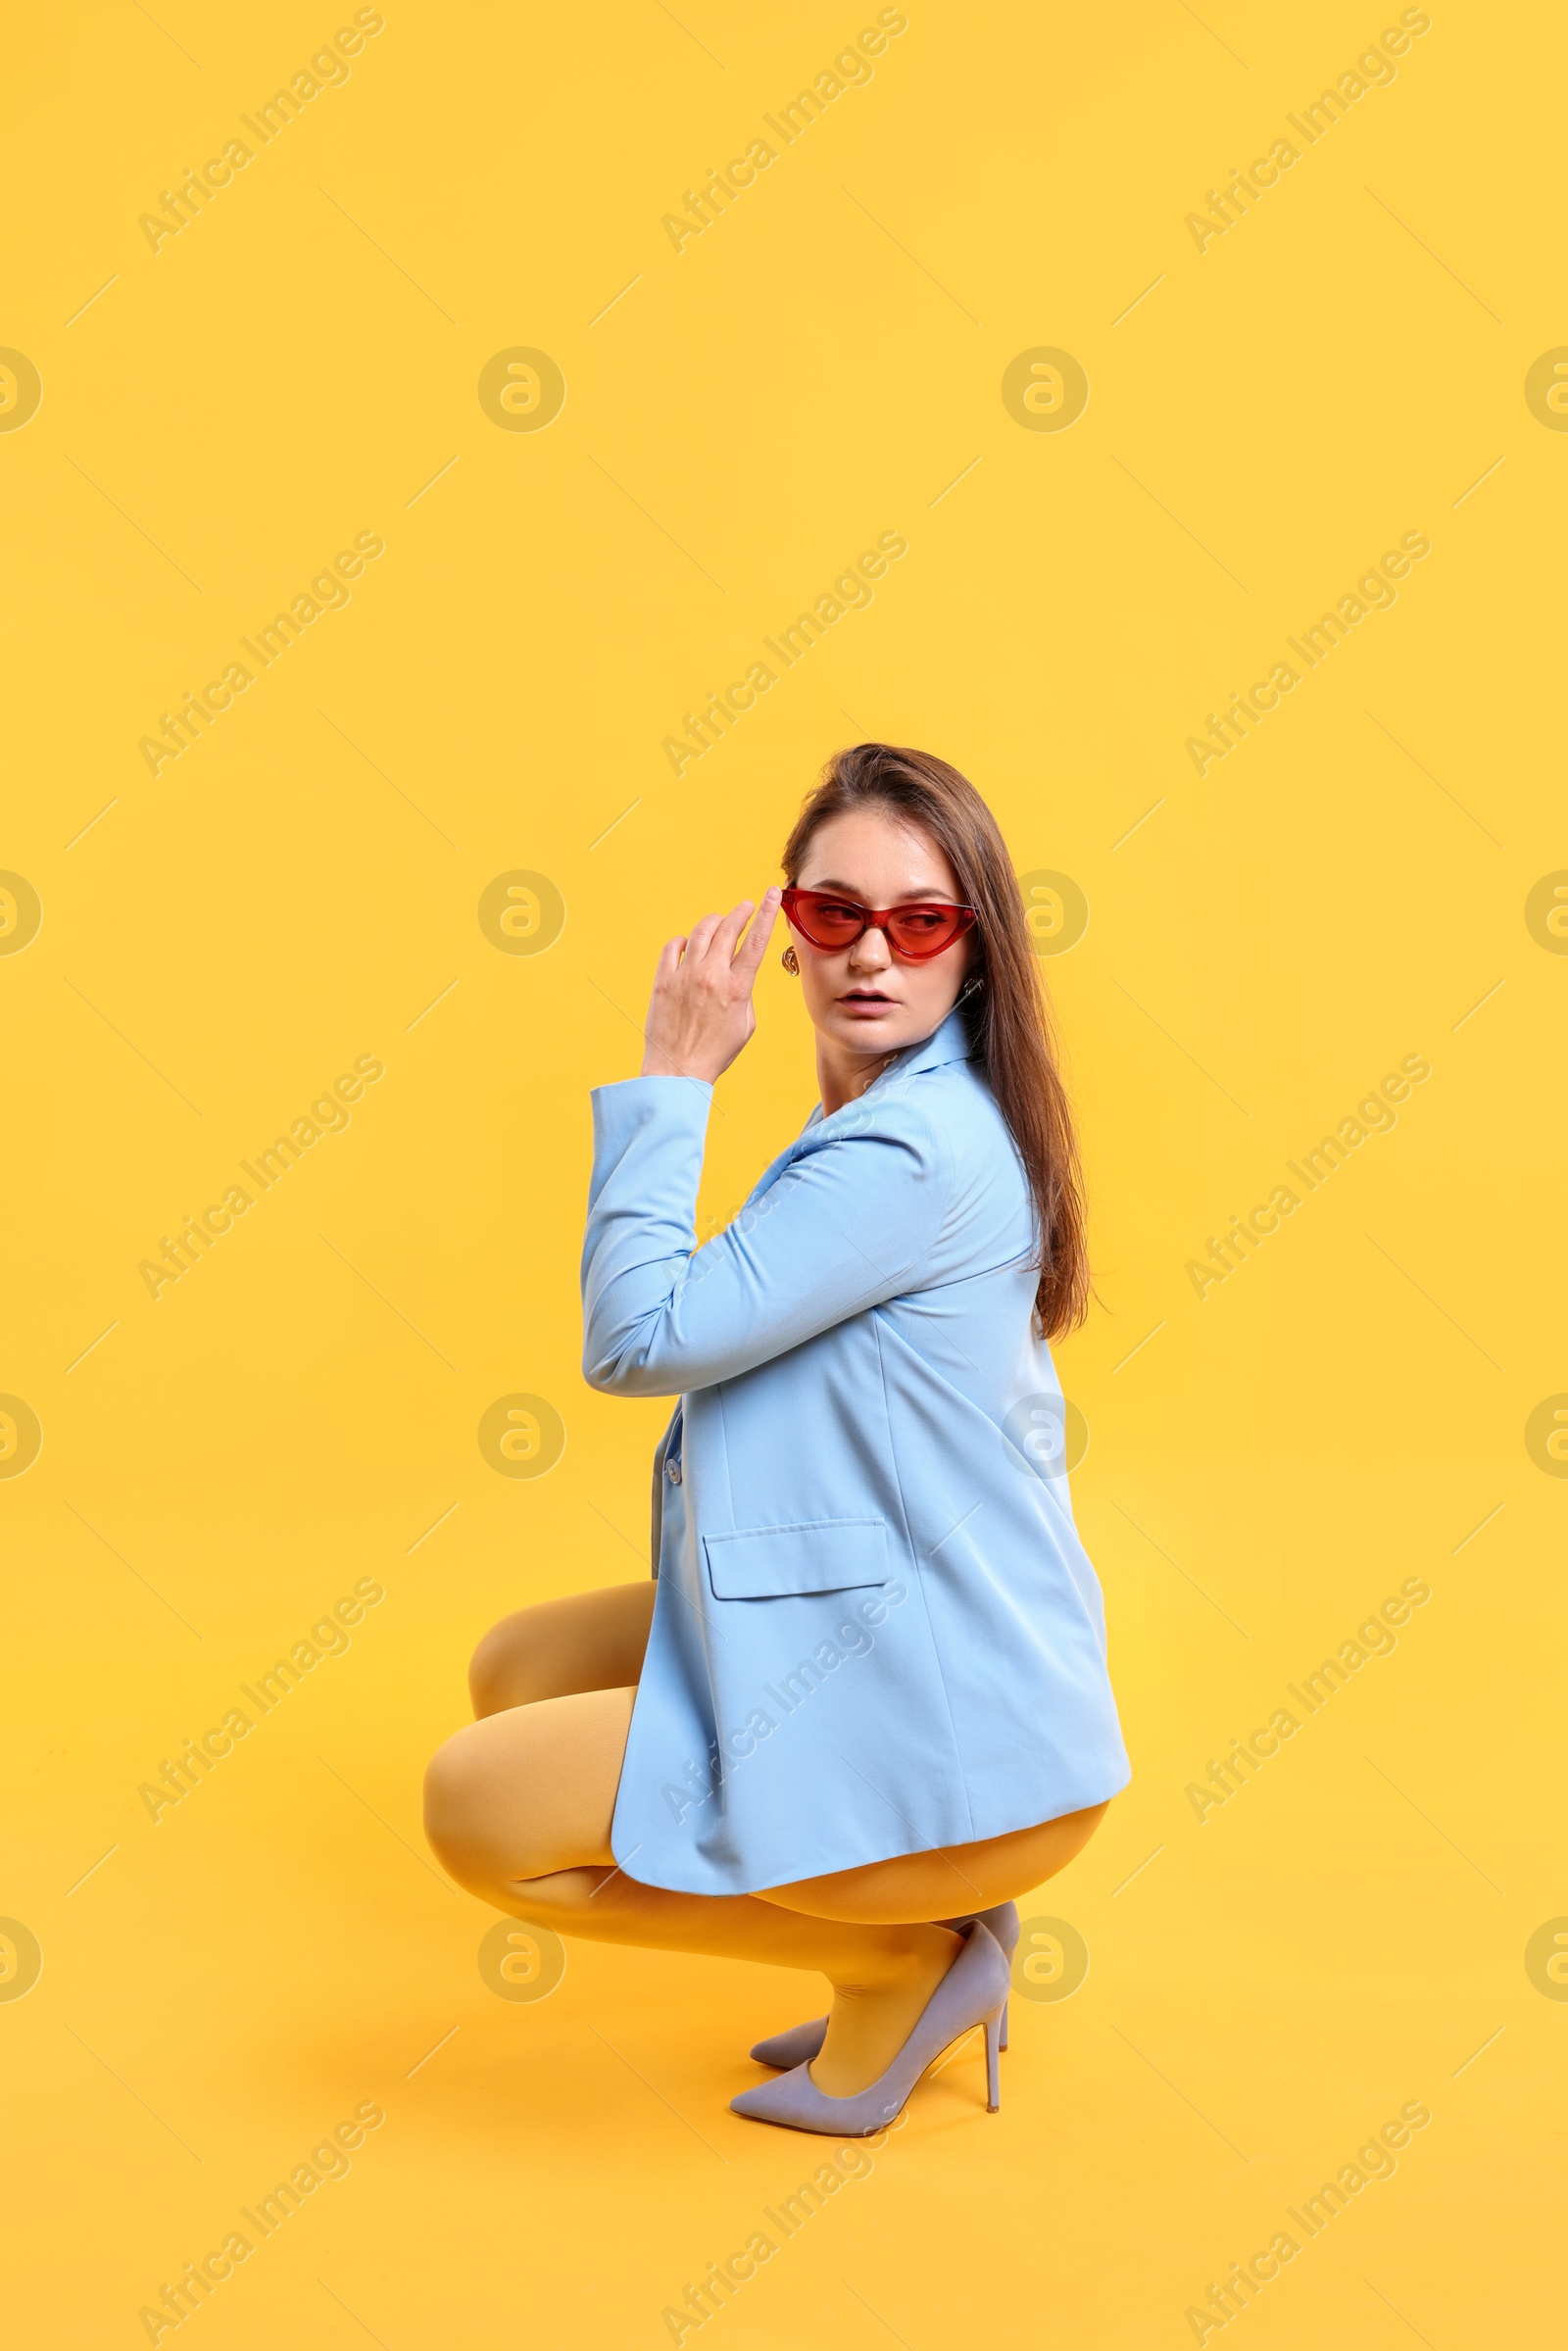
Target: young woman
863, 1701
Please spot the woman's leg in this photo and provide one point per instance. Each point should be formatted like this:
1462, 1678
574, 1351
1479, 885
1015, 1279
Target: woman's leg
589, 1640
950, 1879
941, 1884
518, 1807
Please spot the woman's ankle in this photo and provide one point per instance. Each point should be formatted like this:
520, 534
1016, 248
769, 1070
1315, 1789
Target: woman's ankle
904, 1955
874, 2012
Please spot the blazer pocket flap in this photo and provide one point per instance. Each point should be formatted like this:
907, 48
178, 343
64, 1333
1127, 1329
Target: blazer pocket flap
825, 1554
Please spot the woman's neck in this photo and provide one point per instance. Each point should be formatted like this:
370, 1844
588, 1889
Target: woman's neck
843, 1075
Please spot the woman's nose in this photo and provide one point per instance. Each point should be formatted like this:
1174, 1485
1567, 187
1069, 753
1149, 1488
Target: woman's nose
871, 950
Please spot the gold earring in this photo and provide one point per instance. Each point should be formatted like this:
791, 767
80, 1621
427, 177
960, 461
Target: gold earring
791, 961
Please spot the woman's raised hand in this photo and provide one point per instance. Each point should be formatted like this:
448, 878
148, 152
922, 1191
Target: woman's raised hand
701, 1012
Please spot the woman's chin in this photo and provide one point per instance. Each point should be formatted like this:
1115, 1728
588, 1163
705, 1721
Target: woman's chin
869, 1035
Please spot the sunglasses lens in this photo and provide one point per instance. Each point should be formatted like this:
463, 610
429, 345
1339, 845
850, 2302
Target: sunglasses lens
833, 924
925, 930
828, 921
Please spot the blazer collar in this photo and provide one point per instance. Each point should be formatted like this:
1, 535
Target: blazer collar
951, 1043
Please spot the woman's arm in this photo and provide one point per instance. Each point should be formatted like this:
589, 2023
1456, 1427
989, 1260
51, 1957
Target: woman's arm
849, 1222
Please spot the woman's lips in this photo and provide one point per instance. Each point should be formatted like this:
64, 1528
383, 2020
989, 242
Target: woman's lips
865, 1000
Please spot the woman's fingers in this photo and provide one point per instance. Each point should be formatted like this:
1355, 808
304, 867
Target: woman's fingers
717, 937
753, 947
726, 936
699, 940
740, 957
700, 1013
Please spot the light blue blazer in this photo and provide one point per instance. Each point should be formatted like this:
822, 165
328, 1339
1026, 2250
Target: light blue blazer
875, 1630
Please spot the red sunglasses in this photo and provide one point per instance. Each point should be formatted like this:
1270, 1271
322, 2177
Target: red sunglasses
915, 932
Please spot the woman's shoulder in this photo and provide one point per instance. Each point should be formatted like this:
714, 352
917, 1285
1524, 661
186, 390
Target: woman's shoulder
942, 1115
953, 1095
890, 1112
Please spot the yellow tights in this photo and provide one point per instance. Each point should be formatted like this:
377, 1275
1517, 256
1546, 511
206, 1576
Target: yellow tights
518, 1803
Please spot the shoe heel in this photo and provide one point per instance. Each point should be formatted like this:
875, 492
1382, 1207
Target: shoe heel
973, 1991
1003, 2040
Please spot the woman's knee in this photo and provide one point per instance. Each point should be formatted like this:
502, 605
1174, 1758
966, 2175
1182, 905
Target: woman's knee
455, 1806
499, 1665
462, 1831
563, 1647
529, 1789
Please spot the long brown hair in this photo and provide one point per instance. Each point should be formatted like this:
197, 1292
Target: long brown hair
1008, 1017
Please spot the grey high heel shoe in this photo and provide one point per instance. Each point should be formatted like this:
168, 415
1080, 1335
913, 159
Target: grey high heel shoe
970, 1994
801, 2043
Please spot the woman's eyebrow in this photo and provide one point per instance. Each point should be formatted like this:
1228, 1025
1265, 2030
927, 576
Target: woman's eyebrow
931, 897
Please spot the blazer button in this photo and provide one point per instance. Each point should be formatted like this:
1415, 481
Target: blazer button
672, 1472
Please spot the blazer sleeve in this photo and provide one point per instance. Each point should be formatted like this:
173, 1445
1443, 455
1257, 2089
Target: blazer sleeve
849, 1222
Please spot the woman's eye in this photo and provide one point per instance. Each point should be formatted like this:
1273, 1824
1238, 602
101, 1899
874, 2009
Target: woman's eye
922, 918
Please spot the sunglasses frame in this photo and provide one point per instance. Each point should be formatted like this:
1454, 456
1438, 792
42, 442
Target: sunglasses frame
880, 918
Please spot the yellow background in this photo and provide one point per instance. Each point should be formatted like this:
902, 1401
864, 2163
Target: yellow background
1265, 417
